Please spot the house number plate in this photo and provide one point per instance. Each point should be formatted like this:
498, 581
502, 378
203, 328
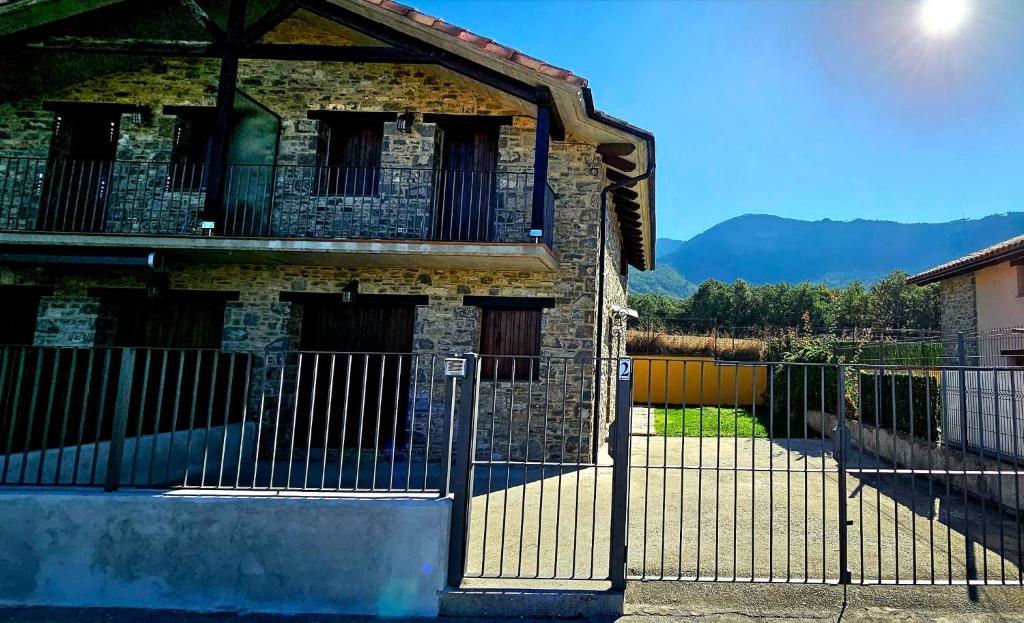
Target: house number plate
625, 369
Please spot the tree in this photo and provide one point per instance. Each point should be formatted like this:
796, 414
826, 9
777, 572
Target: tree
891, 303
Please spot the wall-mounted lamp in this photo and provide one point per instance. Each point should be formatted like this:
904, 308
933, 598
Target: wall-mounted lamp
404, 123
158, 286
348, 293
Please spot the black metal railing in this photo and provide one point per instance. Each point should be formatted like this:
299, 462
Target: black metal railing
167, 418
268, 201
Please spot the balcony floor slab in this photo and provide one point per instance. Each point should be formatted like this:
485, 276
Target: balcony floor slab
361, 253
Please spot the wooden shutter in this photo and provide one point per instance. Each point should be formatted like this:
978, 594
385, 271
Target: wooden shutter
510, 332
349, 154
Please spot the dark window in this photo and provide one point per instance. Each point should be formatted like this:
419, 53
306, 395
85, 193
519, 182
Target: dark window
1020, 280
190, 150
348, 150
513, 337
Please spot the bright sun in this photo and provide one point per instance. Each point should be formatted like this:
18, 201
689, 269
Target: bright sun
941, 18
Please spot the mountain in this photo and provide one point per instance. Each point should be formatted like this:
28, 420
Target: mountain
663, 280
760, 248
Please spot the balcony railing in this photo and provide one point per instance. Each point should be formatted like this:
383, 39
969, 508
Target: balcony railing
269, 201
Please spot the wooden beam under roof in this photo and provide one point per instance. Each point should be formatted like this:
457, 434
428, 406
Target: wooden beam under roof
616, 149
136, 47
619, 163
626, 193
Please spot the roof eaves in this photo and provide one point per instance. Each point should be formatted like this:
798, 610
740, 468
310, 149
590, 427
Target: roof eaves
486, 44
994, 254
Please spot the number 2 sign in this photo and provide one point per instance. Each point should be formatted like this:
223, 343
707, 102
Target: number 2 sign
625, 369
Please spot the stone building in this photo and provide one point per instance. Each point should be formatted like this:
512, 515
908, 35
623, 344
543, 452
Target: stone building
320, 176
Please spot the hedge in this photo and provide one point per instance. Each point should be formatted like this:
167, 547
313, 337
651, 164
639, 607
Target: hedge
926, 408
885, 391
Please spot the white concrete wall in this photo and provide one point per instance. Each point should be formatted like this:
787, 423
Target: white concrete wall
269, 553
912, 453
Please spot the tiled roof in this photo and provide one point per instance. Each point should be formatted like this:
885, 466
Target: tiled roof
994, 254
490, 46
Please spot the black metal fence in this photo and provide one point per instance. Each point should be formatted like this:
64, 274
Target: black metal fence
807, 473
162, 418
827, 474
277, 201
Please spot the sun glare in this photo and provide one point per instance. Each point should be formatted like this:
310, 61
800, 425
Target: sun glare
943, 18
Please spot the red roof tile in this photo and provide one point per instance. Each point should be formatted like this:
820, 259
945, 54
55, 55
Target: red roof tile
994, 254
483, 43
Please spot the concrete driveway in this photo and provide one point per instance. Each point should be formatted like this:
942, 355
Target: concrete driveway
739, 509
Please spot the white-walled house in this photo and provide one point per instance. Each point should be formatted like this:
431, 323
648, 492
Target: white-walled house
982, 297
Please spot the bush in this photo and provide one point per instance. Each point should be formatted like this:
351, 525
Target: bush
803, 359
890, 391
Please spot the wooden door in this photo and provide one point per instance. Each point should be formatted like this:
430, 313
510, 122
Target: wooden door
181, 376
358, 349
466, 182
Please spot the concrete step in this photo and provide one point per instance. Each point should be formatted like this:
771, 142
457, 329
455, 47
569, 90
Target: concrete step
507, 600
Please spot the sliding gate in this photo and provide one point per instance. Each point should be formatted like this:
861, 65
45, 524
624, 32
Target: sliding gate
736, 472
822, 473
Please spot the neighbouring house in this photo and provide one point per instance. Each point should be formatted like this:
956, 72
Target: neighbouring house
982, 296
982, 316
270, 178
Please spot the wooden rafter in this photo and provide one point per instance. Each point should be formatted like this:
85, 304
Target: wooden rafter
619, 163
616, 149
139, 47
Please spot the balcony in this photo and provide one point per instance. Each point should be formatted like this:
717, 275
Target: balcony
390, 216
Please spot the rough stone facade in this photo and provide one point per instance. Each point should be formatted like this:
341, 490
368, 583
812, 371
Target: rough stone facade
959, 313
72, 321
524, 420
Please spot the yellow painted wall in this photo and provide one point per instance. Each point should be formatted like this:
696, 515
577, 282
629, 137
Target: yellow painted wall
654, 377
997, 300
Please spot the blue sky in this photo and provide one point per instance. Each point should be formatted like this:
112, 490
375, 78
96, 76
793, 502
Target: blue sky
801, 108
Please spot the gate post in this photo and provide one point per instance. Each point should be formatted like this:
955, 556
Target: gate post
620, 451
462, 476
961, 362
120, 422
841, 448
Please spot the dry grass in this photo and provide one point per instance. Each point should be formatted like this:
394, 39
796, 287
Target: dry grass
726, 348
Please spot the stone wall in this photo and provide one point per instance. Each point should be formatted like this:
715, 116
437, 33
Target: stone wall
260, 323
292, 90
959, 313
72, 321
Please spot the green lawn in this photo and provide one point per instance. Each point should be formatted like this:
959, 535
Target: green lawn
714, 422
